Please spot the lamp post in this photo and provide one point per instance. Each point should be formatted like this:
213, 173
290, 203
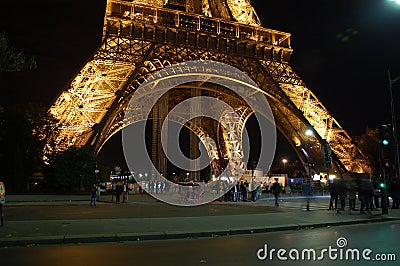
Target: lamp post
284, 161
309, 133
394, 127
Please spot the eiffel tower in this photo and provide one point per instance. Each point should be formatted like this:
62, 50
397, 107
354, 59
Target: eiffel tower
143, 36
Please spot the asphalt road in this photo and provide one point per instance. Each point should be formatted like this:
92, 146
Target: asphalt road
381, 238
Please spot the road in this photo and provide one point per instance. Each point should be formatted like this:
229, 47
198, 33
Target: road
381, 238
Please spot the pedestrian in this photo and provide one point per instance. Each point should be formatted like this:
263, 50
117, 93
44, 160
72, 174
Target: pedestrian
259, 191
351, 188
244, 191
254, 194
117, 193
93, 193
308, 193
341, 189
123, 192
365, 192
333, 190
239, 191
234, 193
276, 189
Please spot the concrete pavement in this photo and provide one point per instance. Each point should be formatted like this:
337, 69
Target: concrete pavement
49, 219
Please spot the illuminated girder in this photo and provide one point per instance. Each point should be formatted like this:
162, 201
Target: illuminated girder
318, 116
243, 12
232, 133
237, 10
85, 102
141, 37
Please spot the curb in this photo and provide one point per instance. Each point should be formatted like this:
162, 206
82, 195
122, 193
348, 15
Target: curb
174, 235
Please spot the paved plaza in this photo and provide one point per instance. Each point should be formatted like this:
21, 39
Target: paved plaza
57, 219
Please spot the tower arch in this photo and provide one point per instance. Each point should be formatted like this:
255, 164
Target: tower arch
141, 37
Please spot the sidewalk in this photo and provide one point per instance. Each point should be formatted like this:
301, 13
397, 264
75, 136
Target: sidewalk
136, 221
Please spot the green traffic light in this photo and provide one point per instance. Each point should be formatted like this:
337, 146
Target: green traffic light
385, 142
382, 185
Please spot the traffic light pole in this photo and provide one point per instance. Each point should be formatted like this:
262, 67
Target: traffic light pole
394, 127
384, 197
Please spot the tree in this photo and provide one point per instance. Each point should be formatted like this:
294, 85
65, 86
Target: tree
11, 61
24, 132
74, 167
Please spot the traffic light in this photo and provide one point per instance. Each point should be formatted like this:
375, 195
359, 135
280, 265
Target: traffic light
387, 163
382, 184
384, 135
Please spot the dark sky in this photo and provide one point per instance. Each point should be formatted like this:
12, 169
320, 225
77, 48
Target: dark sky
342, 49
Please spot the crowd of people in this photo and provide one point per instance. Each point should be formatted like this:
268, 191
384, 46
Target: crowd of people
240, 192
120, 191
344, 192
369, 194
245, 191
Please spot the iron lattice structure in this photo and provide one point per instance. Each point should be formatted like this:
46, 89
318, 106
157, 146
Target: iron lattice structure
143, 36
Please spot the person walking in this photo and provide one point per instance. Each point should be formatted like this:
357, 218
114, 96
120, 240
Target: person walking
93, 197
308, 193
259, 191
239, 191
351, 188
246, 191
333, 190
341, 188
276, 189
254, 194
117, 193
365, 195
235, 193
243, 189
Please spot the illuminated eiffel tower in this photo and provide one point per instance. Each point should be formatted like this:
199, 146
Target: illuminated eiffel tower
143, 36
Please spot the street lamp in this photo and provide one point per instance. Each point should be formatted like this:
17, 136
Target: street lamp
309, 133
284, 161
394, 127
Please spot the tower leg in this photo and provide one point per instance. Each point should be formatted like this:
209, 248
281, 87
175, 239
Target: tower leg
194, 140
160, 111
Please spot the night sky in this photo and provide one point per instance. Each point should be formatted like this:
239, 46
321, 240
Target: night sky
342, 50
